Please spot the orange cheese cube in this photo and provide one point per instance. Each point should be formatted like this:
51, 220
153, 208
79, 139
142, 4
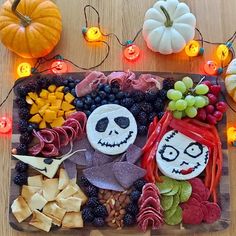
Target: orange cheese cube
44, 93
69, 97
29, 100
34, 96
60, 113
60, 89
35, 119
42, 124
49, 116
59, 95
58, 122
52, 88
34, 109
66, 106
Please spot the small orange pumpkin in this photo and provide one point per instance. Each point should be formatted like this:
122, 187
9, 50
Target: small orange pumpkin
30, 28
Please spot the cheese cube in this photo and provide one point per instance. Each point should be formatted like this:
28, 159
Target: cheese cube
44, 93
51, 97
60, 113
58, 122
43, 109
49, 116
34, 96
34, 109
36, 181
41, 221
40, 102
52, 88
29, 100
69, 97
60, 89
59, 95
37, 202
66, 106
35, 119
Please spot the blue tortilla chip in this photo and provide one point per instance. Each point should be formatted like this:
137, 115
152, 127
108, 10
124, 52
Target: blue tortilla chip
101, 159
127, 173
133, 153
70, 168
79, 159
89, 158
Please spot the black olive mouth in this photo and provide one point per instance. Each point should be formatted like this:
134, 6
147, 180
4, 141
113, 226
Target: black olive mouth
106, 144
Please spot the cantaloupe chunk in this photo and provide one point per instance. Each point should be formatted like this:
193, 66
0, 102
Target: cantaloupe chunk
68, 113
51, 97
54, 108
60, 89
58, 122
35, 119
69, 97
44, 93
57, 103
52, 88
60, 113
34, 96
59, 95
66, 106
42, 124
29, 100
43, 109
49, 116
40, 102
34, 109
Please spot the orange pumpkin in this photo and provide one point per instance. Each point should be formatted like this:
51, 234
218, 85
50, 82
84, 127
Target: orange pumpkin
30, 28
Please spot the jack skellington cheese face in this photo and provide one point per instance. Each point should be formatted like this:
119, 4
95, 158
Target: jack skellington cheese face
111, 129
180, 157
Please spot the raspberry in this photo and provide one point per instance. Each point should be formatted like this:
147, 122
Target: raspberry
21, 167
21, 178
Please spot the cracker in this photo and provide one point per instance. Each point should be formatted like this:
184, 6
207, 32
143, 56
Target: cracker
41, 221
50, 189
35, 181
67, 192
63, 179
72, 220
71, 204
37, 202
28, 191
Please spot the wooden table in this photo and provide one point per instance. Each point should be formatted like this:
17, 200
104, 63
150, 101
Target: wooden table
215, 18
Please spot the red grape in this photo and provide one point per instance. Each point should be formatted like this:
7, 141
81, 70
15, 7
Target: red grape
221, 106
201, 114
218, 115
212, 98
210, 109
215, 89
211, 119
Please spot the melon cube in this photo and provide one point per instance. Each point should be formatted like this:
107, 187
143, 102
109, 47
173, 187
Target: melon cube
68, 113
69, 97
57, 103
49, 116
59, 95
58, 122
54, 108
29, 100
42, 124
60, 113
44, 94
34, 96
51, 97
60, 89
52, 88
43, 109
40, 102
67, 106
34, 109
35, 119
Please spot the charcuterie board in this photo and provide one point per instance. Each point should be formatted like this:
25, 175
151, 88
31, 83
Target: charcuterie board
223, 194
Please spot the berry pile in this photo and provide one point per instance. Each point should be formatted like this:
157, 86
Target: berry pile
93, 212
214, 111
21, 176
132, 208
187, 99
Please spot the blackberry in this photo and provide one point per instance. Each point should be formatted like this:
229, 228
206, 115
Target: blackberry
135, 109
31, 87
151, 116
142, 130
23, 126
57, 80
150, 96
127, 95
146, 107
132, 208
20, 178
98, 222
101, 211
138, 95
162, 94
128, 220
25, 138
168, 83
21, 103
41, 83
21, 91
160, 114
87, 215
84, 181
158, 105
21, 167
142, 118
21, 149
92, 191
24, 114
93, 202
120, 95
135, 195
138, 184
127, 102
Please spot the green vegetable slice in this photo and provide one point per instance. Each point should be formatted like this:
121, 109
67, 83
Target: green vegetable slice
166, 202
166, 186
176, 218
186, 191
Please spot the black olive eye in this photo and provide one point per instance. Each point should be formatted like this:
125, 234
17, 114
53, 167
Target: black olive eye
102, 124
169, 153
122, 121
48, 161
194, 150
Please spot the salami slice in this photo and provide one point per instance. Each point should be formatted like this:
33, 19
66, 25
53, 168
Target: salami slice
64, 139
46, 135
151, 186
149, 210
37, 148
81, 118
70, 132
73, 123
50, 150
151, 202
56, 140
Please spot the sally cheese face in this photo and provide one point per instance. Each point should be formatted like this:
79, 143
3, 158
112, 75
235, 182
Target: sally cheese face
180, 157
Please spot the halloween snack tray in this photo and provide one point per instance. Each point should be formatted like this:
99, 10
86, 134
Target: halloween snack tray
103, 178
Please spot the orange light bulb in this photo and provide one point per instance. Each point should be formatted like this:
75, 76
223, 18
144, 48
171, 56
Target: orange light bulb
93, 34
59, 67
211, 67
5, 125
132, 52
192, 48
24, 69
231, 134
222, 52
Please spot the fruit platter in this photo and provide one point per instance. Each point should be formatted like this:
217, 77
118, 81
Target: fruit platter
119, 151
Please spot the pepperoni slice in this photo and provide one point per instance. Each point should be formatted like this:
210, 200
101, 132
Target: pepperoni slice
46, 135
64, 139
50, 150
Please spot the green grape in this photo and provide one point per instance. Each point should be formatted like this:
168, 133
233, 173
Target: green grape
201, 89
200, 102
180, 86
188, 82
191, 112
174, 95
181, 105
177, 114
190, 99
171, 106
206, 100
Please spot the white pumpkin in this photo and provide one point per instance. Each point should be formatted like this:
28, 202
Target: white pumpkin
168, 26
230, 80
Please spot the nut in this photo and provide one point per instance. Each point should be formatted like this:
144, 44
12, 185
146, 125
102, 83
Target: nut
122, 198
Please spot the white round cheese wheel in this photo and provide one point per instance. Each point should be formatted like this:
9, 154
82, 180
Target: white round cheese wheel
111, 129
180, 157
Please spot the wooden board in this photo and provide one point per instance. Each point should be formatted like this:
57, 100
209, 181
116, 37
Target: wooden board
223, 191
